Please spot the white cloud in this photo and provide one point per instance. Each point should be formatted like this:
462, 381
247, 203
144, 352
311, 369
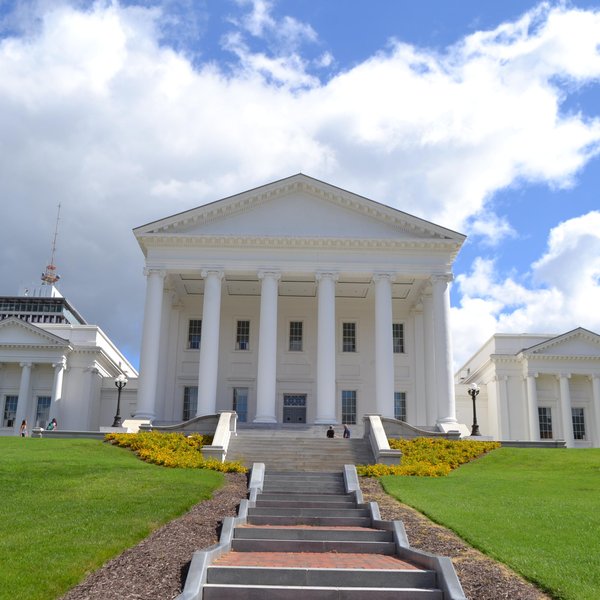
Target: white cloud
565, 293
98, 112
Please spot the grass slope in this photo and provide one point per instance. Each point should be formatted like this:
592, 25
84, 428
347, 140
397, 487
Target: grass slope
70, 505
537, 510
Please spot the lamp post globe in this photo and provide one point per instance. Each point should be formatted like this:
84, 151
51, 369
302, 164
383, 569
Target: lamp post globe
473, 392
120, 383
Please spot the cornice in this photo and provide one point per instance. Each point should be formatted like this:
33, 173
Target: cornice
64, 349
239, 241
557, 357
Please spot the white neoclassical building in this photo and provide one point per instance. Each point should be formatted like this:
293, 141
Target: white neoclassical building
297, 302
536, 387
55, 365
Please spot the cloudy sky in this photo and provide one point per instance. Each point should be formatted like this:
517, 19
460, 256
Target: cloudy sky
483, 117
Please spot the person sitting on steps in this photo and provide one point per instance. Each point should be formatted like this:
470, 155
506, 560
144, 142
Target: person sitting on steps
330, 432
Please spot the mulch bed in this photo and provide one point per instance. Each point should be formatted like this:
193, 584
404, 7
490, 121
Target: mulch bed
156, 568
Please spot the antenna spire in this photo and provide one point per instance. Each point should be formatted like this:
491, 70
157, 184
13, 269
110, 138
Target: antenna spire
49, 276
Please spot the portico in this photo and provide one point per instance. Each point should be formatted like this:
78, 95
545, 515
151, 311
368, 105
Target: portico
297, 292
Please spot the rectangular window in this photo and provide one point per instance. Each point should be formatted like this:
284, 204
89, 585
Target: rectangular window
242, 338
545, 418
400, 406
10, 411
42, 413
398, 337
578, 423
190, 402
295, 336
194, 334
349, 407
240, 403
348, 337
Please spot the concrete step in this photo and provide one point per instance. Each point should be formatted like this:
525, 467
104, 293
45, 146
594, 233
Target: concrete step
299, 497
307, 512
364, 578
250, 592
298, 488
339, 546
302, 504
288, 533
321, 521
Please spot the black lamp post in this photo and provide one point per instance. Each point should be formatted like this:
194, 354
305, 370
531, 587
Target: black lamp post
473, 391
120, 382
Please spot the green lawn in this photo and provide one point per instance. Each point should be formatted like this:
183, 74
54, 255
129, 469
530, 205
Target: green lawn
537, 510
67, 506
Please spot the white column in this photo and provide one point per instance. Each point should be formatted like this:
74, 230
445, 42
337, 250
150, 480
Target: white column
326, 348
419, 362
565, 409
57, 387
596, 409
209, 343
150, 351
429, 350
24, 393
266, 378
443, 350
384, 348
503, 410
532, 408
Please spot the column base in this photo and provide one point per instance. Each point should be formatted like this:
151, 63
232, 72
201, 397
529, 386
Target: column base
145, 415
265, 420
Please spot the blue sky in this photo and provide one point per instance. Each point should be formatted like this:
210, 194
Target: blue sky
480, 116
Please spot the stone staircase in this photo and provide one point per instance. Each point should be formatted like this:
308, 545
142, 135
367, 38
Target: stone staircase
291, 451
310, 536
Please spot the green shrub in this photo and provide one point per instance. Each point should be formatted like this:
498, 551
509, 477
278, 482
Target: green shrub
429, 457
173, 450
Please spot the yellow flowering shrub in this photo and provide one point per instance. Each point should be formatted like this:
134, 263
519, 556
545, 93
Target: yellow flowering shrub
429, 457
172, 450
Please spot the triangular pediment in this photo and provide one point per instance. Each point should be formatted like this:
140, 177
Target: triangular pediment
299, 207
579, 342
16, 332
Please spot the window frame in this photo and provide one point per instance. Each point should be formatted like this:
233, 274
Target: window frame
545, 423
190, 404
398, 341
7, 412
191, 342
349, 412
241, 344
352, 339
400, 406
579, 432
296, 337
42, 417
242, 416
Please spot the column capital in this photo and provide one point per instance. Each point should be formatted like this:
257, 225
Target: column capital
560, 376
62, 364
154, 271
529, 374
216, 272
381, 275
593, 376
327, 275
270, 274
442, 278
26, 364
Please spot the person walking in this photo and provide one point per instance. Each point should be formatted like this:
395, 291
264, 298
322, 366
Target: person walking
23, 428
346, 431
